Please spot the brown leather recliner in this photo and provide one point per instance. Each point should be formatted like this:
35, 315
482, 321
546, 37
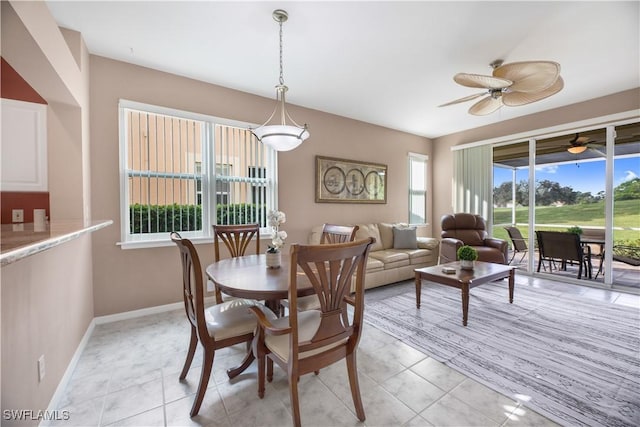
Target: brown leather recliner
468, 229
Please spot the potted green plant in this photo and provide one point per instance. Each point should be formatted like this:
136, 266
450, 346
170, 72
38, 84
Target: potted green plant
466, 255
575, 230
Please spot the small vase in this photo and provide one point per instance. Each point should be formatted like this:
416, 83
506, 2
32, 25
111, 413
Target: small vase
466, 264
274, 259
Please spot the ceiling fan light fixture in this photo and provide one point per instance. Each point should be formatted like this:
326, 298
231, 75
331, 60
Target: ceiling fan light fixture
279, 135
513, 84
577, 149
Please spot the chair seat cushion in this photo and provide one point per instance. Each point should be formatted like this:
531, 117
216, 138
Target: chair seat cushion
310, 302
233, 318
308, 324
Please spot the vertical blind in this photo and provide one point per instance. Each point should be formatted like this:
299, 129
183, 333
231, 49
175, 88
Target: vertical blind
472, 180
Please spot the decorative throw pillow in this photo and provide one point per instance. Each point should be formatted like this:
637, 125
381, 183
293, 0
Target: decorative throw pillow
405, 238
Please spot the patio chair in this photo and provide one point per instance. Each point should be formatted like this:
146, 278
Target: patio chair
627, 254
518, 242
563, 247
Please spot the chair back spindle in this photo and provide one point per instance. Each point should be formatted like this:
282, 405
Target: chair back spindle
236, 239
332, 233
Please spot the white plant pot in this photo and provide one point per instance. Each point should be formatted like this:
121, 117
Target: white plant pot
274, 259
466, 264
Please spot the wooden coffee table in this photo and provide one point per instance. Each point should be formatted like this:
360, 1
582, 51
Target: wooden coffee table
483, 272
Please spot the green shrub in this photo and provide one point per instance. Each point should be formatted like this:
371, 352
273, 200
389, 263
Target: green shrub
241, 213
167, 218
164, 218
575, 230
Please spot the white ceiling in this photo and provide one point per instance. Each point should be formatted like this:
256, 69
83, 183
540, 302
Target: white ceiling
388, 63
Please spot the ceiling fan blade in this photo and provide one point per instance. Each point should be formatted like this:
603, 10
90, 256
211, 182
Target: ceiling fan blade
529, 76
481, 81
580, 140
514, 99
465, 99
486, 106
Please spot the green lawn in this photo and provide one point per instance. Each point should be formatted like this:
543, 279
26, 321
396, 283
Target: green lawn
626, 216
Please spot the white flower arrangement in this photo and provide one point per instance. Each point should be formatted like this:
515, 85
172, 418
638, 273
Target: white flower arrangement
275, 219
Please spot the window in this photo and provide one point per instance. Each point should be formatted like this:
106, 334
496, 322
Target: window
223, 186
417, 188
184, 172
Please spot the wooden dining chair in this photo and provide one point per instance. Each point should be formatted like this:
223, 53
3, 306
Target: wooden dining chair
331, 233
236, 239
216, 327
306, 341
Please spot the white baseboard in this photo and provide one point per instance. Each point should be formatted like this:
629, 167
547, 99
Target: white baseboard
101, 320
68, 373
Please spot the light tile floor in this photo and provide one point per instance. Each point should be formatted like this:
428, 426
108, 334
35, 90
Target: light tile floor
128, 376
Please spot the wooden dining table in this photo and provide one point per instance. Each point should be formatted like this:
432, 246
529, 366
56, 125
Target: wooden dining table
249, 277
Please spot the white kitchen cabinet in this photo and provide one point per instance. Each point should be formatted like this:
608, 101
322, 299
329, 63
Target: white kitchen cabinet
23, 147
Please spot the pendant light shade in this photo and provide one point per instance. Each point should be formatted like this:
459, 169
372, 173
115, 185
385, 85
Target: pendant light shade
279, 135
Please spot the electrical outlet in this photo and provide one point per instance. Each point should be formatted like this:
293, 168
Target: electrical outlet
210, 286
41, 370
17, 215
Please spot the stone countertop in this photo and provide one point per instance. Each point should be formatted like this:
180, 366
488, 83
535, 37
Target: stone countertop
18, 241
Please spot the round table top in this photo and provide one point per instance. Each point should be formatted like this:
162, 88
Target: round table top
248, 277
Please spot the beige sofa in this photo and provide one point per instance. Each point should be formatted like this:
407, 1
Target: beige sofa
387, 264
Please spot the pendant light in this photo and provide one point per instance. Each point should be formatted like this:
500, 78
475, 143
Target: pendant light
281, 136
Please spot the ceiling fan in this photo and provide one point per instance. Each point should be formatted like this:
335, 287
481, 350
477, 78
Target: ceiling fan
580, 144
513, 84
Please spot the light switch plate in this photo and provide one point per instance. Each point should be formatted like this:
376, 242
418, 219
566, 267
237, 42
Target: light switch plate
17, 215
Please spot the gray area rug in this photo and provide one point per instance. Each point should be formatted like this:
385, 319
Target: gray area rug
577, 359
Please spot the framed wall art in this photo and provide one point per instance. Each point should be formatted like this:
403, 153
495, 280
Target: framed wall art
350, 181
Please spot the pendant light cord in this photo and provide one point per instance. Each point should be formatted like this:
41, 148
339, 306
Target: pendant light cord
281, 73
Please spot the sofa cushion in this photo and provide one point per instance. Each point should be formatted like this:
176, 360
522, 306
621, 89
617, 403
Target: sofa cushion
386, 234
370, 230
374, 265
391, 258
421, 256
404, 238
315, 235
418, 253
428, 243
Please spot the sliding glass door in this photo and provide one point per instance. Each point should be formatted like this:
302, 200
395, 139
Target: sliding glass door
625, 259
586, 183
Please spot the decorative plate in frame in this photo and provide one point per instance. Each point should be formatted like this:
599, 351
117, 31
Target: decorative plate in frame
350, 181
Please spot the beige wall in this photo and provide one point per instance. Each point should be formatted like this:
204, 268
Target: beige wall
46, 309
136, 278
47, 299
442, 167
